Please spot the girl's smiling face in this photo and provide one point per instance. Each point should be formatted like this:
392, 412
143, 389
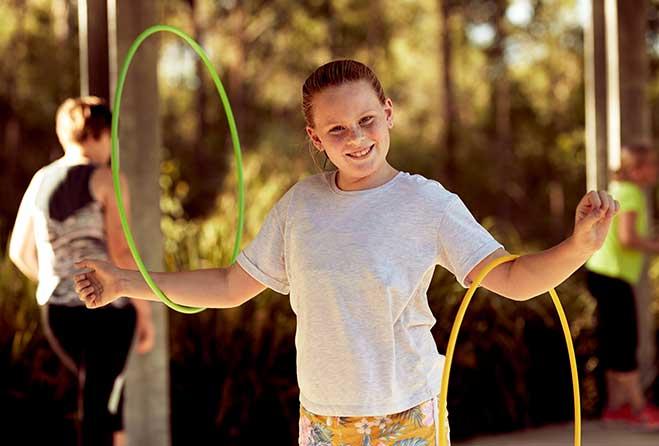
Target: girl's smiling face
352, 126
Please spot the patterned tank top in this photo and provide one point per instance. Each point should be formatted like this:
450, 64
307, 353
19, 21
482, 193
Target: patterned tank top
69, 226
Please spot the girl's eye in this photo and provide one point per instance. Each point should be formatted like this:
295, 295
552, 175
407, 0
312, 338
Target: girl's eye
364, 121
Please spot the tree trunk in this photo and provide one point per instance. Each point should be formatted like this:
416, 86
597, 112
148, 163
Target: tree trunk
500, 121
147, 402
376, 34
449, 118
201, 95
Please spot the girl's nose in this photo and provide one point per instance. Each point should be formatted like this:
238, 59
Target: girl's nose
356, 134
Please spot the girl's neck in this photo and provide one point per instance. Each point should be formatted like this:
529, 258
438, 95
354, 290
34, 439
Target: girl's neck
383, 177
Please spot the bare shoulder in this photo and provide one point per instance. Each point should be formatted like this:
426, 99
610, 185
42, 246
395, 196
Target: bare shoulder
101, 184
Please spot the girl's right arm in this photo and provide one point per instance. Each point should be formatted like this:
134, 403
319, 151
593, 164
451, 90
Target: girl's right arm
208, 288
630, 239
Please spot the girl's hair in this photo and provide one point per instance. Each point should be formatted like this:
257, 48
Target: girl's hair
632, 157
79, 118
335, 73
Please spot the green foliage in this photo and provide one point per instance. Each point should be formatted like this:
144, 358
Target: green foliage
19, 314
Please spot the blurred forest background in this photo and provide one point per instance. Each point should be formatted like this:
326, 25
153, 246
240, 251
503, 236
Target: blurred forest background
489, 100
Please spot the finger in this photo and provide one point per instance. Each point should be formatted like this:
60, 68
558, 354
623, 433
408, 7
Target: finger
93, 279
91, 302
85, 298
612, 206
86, 292
592, 217
98, 287
605, 202
594, 199
146, 347
146, 341
82, 284
142, 345
585, 200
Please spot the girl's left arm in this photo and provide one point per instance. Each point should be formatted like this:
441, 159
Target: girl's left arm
534, 274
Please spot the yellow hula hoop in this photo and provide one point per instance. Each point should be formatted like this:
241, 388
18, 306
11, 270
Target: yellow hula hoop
454, 336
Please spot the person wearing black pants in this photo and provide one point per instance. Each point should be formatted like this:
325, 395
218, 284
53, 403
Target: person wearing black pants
613, 271
95, 346
69, 212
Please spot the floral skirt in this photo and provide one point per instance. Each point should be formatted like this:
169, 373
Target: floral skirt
418, 426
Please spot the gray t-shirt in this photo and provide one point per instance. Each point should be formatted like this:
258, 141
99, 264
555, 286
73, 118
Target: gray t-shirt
357, 265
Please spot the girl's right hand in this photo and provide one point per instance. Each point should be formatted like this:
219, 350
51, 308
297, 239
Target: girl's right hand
100, 285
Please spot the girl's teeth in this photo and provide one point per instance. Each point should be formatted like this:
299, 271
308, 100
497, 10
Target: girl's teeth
360, 154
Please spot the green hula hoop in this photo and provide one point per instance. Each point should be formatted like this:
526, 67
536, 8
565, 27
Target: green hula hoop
454, 336
114, 156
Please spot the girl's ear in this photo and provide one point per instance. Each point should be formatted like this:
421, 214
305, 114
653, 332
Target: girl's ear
314, 138
389, 112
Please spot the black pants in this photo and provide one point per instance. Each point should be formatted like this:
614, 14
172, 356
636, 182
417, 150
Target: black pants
94, 344
617, 326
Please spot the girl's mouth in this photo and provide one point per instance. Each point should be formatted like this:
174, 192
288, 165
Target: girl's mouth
362, 154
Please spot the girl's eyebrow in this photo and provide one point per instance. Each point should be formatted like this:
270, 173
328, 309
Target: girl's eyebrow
330, 123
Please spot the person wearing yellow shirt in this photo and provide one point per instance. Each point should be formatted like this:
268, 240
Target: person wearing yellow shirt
612, 273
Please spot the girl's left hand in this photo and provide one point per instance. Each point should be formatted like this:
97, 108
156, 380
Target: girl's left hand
145, 333
593, 220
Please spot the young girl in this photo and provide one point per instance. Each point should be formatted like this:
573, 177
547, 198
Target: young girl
612, 273
356, 249
69, 213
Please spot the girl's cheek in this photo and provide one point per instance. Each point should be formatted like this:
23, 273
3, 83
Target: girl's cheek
382, 126
377, 132
337, 139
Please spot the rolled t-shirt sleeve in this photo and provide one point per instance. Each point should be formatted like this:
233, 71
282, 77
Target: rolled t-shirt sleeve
264, 257
462, 242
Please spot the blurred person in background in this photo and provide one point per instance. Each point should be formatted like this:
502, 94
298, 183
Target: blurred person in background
613, 271
68, 213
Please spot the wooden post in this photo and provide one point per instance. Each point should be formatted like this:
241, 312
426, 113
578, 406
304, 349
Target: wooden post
93, 39
596, 101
